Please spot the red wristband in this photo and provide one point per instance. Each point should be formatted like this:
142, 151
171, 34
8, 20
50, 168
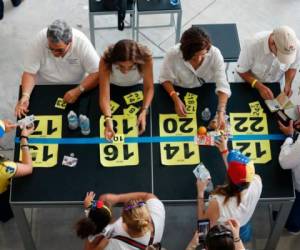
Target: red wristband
224, 151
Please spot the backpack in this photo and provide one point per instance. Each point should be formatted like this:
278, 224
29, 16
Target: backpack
120, 6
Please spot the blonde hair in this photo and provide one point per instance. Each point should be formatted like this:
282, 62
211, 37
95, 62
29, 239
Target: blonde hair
136, 216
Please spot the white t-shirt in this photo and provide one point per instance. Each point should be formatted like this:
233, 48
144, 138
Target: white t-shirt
244, 211
181, 73
157, 213
132, 77
80, 59
289, 158
257, 57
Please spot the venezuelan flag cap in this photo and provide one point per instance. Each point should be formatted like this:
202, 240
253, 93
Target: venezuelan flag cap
2, 128
240, 168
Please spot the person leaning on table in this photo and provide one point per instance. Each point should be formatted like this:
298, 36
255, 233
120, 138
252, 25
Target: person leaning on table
125, 63
270, 56
62, 55
10, 169
192, 63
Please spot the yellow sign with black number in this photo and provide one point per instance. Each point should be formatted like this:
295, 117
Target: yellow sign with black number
249, 124
113, 106
118, 153
60, 103
178, 153
131, 110
134, 97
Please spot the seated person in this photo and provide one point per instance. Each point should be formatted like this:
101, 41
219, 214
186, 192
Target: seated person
270, 56
192, 63
97, 216
289, 158
59, 55
125, 64
10, 169
238, 197
142, 222
220, 237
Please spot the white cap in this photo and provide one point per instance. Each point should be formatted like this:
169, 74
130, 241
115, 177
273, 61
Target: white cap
286, 43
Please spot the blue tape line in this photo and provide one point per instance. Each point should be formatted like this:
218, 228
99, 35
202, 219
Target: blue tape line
148, 139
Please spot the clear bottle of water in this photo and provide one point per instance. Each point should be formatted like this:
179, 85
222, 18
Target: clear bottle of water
174, 2
206, 114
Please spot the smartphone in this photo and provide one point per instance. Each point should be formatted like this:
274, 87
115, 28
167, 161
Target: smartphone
283, 118
203, 228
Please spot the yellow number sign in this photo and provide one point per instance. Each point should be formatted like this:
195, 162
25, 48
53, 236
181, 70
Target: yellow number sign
247, 124
113, 106
120, 154
131, 110
134, 97
60, 103
178, 153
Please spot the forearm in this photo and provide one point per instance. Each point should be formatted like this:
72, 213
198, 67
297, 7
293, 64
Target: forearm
90, 82
249, 78
148, 95
200, 205
289, 77
168, 86
26, 157
222, 101
28, 82
122, 198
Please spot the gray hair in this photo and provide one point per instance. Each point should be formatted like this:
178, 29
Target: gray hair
58, 31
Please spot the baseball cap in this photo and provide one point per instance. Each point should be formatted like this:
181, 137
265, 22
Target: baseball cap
2, 128
286, 43
240, 168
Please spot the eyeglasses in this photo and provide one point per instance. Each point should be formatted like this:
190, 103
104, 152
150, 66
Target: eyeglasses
57, 50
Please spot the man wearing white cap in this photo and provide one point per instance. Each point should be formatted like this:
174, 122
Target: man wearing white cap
59, 54
270, 57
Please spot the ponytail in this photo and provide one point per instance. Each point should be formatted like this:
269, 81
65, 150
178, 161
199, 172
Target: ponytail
85, 227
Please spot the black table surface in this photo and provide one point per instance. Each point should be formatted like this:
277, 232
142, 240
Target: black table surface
156, 5
99, 6
175, 184
225, 37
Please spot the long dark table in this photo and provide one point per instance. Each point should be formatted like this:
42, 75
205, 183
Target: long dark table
63, 186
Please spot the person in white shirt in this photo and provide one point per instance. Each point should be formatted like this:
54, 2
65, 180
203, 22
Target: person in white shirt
270, 56
125, 63
238, 197
289, 158
192, 63
59, 55
142, 222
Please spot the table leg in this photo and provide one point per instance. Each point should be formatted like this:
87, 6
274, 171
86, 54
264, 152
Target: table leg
24, 228
92, 29
278, 225
178, 29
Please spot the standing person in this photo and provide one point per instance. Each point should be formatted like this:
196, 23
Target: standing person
141, 224
15, 3
270, 56
10, 169
289, 158
238, 197
62, 55
192, 63
125, 64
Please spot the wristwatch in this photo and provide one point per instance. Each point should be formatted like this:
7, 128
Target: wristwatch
81, 88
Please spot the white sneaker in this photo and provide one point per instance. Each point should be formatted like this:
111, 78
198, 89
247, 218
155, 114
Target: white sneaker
72, 120
84, 123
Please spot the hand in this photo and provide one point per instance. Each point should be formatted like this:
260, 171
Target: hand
221, 120
221, 143
112, 199
109, 132
194, 241
141, 122
287, 130
201, 185
9, 126
22, 107
27, 131
180, 108
89, 197
264, 91
297, 124
72, 95
288, 90
234, 226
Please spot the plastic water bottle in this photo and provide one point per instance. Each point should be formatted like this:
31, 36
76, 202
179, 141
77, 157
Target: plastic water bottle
72, 120
84, 123
174, 2
206, 114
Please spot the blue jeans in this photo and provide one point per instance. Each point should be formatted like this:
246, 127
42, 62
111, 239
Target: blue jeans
293, 221
246, 232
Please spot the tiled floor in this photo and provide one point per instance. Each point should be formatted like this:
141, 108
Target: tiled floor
52, 228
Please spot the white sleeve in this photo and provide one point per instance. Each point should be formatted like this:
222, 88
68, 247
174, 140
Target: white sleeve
166, 70
34, 54
220, 79
245, 60
289, 156
296, 64
90, 58
256, 186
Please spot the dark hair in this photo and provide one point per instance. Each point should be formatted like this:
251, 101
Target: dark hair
231, 190
127, 50
219, 237
193, 40
96, 221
